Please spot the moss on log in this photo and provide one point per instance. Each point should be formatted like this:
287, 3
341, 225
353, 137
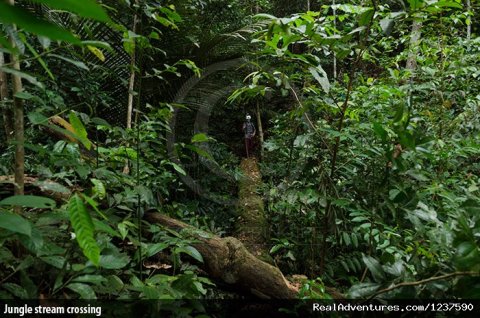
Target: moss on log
228, 259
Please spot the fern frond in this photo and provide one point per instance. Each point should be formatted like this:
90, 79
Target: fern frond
84, 229
98, 188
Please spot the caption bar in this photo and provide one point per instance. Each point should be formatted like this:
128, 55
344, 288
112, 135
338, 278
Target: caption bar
21, 311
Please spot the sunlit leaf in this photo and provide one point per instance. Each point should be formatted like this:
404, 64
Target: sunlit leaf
199, 138
97, 52
80, 131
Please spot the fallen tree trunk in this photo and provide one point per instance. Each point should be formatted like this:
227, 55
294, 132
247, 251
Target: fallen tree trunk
227, 259
33, 185
251, 227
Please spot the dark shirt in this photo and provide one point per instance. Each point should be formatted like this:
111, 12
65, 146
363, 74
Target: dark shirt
249, 129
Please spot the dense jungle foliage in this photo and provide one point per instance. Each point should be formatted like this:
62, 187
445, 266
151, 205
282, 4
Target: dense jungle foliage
368, 145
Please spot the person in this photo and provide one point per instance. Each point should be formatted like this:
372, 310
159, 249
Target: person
249, 131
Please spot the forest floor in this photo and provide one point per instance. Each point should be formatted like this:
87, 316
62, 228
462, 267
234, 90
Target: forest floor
252, 226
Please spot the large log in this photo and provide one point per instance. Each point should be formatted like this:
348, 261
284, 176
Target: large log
251, 226
35, 186
227, 259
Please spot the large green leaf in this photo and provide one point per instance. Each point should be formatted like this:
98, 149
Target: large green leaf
84, 229
365, 17
30, 287
16, 290
155, 248
362, 290
84, 8
374, 267
24, 19
33, 243
199, 138
92, 279
321, 77
56, 261
178, 168
37, 118
190, 250
15, 223
114, 261
114, 283
415, 4
80, 131
98, 188
29, 201
78, 64
5, 45
21, 74
99, 44
467, 256
84, 290
102, 226
37, 56
447, 4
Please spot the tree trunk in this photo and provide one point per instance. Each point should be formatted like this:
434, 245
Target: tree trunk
227, 259
252, 226
18, 123
259, 118
414, 43
131, 83
469, 26
260, 130
6, 110
334, 53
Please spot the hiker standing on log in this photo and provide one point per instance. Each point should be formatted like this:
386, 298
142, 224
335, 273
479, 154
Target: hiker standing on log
249, 131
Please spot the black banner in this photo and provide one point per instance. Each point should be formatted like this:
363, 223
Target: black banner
239, 308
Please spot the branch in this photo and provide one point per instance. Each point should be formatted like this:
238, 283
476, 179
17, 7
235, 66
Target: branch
310, 123
37, 56
336, 146
424, 281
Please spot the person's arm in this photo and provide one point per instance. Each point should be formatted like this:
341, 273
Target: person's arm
254, 130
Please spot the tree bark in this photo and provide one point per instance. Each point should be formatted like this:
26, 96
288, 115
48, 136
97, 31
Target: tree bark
18, 123
334, 53
6, 110
228, 260
259, 118
260, 130
414, 42
469, 26
131, 83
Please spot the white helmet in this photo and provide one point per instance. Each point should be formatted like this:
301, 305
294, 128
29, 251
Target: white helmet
248, 117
